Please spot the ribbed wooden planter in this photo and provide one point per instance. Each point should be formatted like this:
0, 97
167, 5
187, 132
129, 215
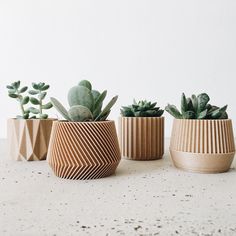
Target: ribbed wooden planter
84, 150
205, 146
141, 138
28, 139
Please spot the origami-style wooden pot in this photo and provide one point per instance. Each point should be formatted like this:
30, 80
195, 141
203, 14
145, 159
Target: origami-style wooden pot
84, 150
141, 138
28, 139
204, 146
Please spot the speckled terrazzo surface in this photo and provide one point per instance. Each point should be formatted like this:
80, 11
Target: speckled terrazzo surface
143, 198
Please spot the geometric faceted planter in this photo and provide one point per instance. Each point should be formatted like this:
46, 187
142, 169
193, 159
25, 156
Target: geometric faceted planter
204, 146
84, 150
28, 139
142, 138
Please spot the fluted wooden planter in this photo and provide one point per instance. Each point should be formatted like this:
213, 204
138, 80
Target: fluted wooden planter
205, 146
28, 139
141, 138
84, 150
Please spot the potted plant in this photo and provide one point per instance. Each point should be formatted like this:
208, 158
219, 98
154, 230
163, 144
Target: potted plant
29, 133
202, 137
141, 128
85, 144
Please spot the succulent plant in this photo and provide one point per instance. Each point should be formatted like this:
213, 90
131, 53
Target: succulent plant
197, 107
39, 90
14, 91
85, 104
141, 109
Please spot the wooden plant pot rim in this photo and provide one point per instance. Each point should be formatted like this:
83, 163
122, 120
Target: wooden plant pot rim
28, 139
142, 117
142, 138
85, 122
203, 146
83, 150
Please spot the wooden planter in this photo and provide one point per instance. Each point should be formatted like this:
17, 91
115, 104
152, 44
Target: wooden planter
205, 146
28, 139
84, 150
142, 138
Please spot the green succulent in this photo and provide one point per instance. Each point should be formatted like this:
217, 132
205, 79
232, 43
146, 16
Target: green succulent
39, 90
14, 91
85, 104
141, 109
17, 92
197, 107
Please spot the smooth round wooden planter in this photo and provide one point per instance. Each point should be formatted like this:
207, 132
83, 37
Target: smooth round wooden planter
141, 138
204, 146
28, 139
84, 150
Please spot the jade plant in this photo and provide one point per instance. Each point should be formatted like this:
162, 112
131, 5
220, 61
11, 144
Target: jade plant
18, 93
197, 107
142, 109
85, 104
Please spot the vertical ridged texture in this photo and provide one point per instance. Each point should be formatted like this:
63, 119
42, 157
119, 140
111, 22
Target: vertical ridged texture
202, 136
84, 150
142, 138
205, 146
28, 139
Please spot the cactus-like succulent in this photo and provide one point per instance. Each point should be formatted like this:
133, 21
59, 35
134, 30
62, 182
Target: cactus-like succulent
141, 109
85, 104
39, 90
14, 91
197, 107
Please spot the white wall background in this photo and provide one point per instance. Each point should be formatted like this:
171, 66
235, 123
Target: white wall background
135, 48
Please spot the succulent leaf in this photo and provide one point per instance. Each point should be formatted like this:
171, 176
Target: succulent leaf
80, 113
173, 111
60, 108
86, 84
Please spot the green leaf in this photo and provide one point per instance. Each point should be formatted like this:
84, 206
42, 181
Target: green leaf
9, 87
22, 90
107, 108
80, 113
43, 116
45, 87
202, 114
34, 101
42, 95
26, 116
171, 109
40, 85
33, 92
203, 99
12, 95
98, 104
25, 100
194, 102
189, 115
17, 84
47, 106
60, 108
35, 86
184, 105
105, 116
86, 84
34, 110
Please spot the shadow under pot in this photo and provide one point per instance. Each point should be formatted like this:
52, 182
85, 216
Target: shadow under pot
204, 146
28, 139
141, 138
84, 150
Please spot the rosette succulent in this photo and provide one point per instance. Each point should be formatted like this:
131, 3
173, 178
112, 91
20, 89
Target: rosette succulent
142, 109
85, 104
197, 107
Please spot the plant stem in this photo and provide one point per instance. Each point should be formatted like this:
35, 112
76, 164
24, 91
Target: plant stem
21, 106
40, 105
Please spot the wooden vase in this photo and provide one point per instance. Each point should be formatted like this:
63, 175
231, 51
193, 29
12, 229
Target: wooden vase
141, 138
204, 146
84, 150
28, 139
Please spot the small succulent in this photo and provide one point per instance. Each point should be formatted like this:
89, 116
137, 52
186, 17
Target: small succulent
142, 109
39, 90
17, 92
85, 104
14, 91
197, 107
